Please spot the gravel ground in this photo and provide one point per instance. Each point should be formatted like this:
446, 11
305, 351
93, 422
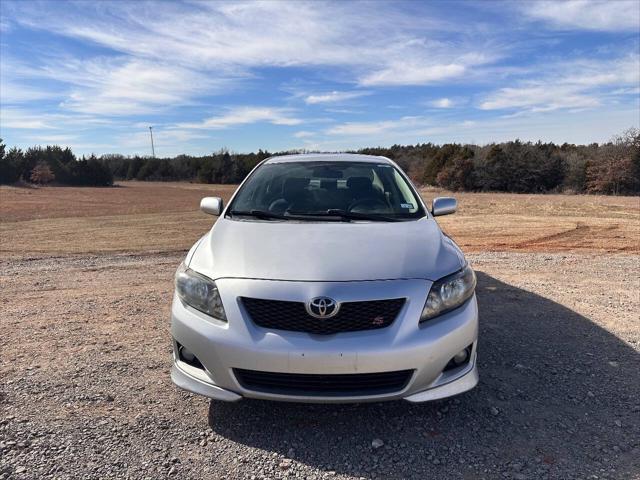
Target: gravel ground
85, 389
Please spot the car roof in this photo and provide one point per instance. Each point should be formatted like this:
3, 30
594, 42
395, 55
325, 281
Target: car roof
328, 157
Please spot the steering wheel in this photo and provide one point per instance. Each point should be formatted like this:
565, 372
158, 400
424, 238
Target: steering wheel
370, 204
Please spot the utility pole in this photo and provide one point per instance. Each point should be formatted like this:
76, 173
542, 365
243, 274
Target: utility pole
153, 150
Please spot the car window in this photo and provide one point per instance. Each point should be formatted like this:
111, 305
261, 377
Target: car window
305, 188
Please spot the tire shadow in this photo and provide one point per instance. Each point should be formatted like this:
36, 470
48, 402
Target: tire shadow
559, 397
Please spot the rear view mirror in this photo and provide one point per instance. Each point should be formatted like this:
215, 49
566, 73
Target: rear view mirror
327, 172
211, 205
443, 206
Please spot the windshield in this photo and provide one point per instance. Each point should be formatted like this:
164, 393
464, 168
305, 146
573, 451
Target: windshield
353, 189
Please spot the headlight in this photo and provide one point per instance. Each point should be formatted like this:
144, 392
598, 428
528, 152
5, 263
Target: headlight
448, 293
199, 292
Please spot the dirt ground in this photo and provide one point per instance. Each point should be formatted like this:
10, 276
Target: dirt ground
85, 291
63, 220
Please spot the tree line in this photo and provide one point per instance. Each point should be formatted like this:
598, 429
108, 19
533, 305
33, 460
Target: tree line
515, 166
52, 164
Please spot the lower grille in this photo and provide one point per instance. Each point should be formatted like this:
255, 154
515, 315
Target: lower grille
352, 316
309, 385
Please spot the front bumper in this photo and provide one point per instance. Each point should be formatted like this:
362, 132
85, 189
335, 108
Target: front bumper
405, 345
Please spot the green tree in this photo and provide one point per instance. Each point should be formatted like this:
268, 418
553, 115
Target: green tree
135, 165
494, 172
457, 175
8, 164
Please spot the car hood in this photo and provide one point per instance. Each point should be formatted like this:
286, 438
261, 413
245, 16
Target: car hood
326, 251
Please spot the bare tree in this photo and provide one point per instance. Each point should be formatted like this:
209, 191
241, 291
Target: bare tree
616, 167
42, 174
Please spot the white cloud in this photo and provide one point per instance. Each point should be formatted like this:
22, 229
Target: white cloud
229, 40
333, 97
5, 26
442, 103
17, 85
615, 71
246, 115
303, 134
626, 91
19, 119
344, 111
541, 98
15, 93
62, 140
569, 85
110, 86
402, 73
162, 138
356, 129
607, 15
127, 86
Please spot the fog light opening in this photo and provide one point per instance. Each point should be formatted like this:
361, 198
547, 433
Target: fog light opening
185, 355
459, 359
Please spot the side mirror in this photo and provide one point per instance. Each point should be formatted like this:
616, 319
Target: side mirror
211, 205
444, 206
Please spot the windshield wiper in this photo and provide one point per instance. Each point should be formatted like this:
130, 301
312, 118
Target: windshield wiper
309, 216
348, 216
267, 215
262, 214
361, 216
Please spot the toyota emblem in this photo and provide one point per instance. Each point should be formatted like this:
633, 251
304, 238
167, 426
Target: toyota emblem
322, 307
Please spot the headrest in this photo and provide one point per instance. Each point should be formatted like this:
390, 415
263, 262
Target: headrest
359, 183
293, 187
329, 184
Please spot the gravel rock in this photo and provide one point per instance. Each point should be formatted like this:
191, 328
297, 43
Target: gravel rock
377, 443
85, 389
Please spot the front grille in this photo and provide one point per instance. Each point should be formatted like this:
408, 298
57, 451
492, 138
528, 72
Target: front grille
352, 316
356, 384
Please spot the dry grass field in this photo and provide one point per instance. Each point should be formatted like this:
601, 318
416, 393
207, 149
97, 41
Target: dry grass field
164, 217
85, 290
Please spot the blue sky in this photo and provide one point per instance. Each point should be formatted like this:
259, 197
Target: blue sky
318, 75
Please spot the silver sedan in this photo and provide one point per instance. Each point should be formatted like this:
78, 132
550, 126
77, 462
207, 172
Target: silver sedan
325, 279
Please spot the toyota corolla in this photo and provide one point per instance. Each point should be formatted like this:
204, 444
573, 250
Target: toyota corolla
325, 279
